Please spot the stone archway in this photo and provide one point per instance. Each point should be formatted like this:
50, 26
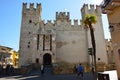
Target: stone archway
47, 59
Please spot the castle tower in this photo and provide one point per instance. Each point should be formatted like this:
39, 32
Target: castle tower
62, 16
37, 39
31, 18
101, 55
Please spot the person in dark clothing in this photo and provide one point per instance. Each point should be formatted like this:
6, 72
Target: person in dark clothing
42, 69
7, 69
80, 70
75, 69
1, 69
11, 70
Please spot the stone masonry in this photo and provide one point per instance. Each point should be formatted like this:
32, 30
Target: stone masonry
60, 41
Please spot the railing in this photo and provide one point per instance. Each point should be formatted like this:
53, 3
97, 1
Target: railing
105, 3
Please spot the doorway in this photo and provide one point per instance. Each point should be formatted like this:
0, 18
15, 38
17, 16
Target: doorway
47, 59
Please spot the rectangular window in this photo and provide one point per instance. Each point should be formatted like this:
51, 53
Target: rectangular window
47, 42
51, 42
37, 60
38, 42
43, 42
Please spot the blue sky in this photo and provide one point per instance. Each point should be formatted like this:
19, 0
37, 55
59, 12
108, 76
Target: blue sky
10, 16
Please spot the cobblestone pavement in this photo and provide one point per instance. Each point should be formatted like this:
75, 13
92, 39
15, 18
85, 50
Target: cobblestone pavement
48, 75
87, 76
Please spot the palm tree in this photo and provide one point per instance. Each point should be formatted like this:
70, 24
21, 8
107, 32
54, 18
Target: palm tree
88, 23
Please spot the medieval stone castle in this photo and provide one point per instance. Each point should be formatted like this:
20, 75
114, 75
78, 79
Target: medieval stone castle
60, 41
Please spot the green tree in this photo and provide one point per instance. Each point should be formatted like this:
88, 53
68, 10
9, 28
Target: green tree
89, 21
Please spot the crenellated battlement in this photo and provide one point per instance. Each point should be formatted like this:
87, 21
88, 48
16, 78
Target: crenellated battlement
49, 21
31, 6
92, 6
98, 10
67, 25
92, 9
62, 16
24, 5
75, 21
31, 9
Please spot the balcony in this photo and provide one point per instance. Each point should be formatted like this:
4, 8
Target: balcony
107, 6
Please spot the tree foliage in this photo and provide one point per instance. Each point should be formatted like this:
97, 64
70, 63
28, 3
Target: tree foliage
90, 20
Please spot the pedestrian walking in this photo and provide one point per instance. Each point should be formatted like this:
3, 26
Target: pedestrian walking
42, 69
11, 70
8, 69
1, 69
80, 71
75, 69
93, 69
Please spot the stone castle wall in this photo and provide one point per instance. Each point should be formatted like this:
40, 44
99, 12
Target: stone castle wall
69, 42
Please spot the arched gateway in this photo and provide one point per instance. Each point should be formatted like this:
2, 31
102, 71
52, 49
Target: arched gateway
47, 60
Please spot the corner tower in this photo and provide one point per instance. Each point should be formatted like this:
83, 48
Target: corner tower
101, 55
31, 18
